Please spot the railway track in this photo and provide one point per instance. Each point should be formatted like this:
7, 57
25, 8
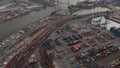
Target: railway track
27, 49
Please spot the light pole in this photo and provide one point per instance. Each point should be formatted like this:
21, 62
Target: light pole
68, 3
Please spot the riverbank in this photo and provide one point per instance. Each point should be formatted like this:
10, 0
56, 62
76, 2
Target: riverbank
10, 13
9, 18
8, 27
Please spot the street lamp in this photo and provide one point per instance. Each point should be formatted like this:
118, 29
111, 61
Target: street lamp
68, 3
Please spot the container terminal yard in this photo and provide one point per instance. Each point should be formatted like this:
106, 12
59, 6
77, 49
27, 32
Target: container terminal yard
67, 38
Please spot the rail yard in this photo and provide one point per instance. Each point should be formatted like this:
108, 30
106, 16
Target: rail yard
72, 38
31, 34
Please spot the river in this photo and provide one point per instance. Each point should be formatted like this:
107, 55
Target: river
8, 27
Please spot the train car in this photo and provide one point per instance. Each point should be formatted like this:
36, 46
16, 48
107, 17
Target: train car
11, 64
